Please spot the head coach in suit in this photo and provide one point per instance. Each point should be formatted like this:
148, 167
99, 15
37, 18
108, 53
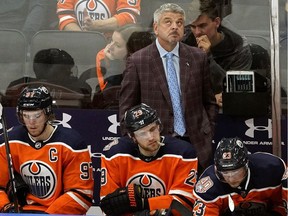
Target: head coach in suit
145, 80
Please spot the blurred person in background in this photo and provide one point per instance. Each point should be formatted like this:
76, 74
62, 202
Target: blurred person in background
111, 60
226, 49
91, 15
26, 16
56, 66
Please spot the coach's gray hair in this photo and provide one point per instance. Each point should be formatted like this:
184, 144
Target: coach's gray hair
168, 7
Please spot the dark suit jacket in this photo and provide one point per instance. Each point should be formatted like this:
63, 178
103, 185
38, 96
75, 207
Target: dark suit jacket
144, 81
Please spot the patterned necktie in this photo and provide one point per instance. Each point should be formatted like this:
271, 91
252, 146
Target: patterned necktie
174, 89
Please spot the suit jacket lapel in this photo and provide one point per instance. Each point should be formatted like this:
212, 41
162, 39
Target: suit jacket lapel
157, 69
185, 67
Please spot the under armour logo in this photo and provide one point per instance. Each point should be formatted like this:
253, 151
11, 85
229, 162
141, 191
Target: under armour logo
252, 128
115, 124
66, 118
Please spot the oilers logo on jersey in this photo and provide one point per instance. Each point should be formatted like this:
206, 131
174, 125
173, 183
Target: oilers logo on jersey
75, 11
40, 177
151, 184
97, 10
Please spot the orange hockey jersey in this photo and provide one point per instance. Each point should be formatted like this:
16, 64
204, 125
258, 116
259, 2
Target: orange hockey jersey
171, 174
259, 194
112, 69
100, 57
58, 171
72, 11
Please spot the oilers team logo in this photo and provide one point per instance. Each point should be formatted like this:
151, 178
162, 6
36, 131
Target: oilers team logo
152, 185
97, 10
40, 177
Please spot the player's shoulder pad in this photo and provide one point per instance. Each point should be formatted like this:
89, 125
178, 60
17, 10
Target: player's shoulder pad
266, 160
261, 162
123, 145
209, 187
18, 132
178, 147
70, 137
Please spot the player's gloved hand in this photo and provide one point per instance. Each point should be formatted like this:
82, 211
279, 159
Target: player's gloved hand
124, 200
21, 187
9, 208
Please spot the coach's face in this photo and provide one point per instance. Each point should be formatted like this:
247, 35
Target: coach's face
148, 139
169, 29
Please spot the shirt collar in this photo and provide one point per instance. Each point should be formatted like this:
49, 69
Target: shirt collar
163, 52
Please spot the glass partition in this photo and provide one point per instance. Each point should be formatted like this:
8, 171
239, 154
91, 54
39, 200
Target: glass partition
250, 19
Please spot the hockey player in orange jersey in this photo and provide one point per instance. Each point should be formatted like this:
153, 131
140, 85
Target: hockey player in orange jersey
145, 172
95, 15
240, 183
53, 161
